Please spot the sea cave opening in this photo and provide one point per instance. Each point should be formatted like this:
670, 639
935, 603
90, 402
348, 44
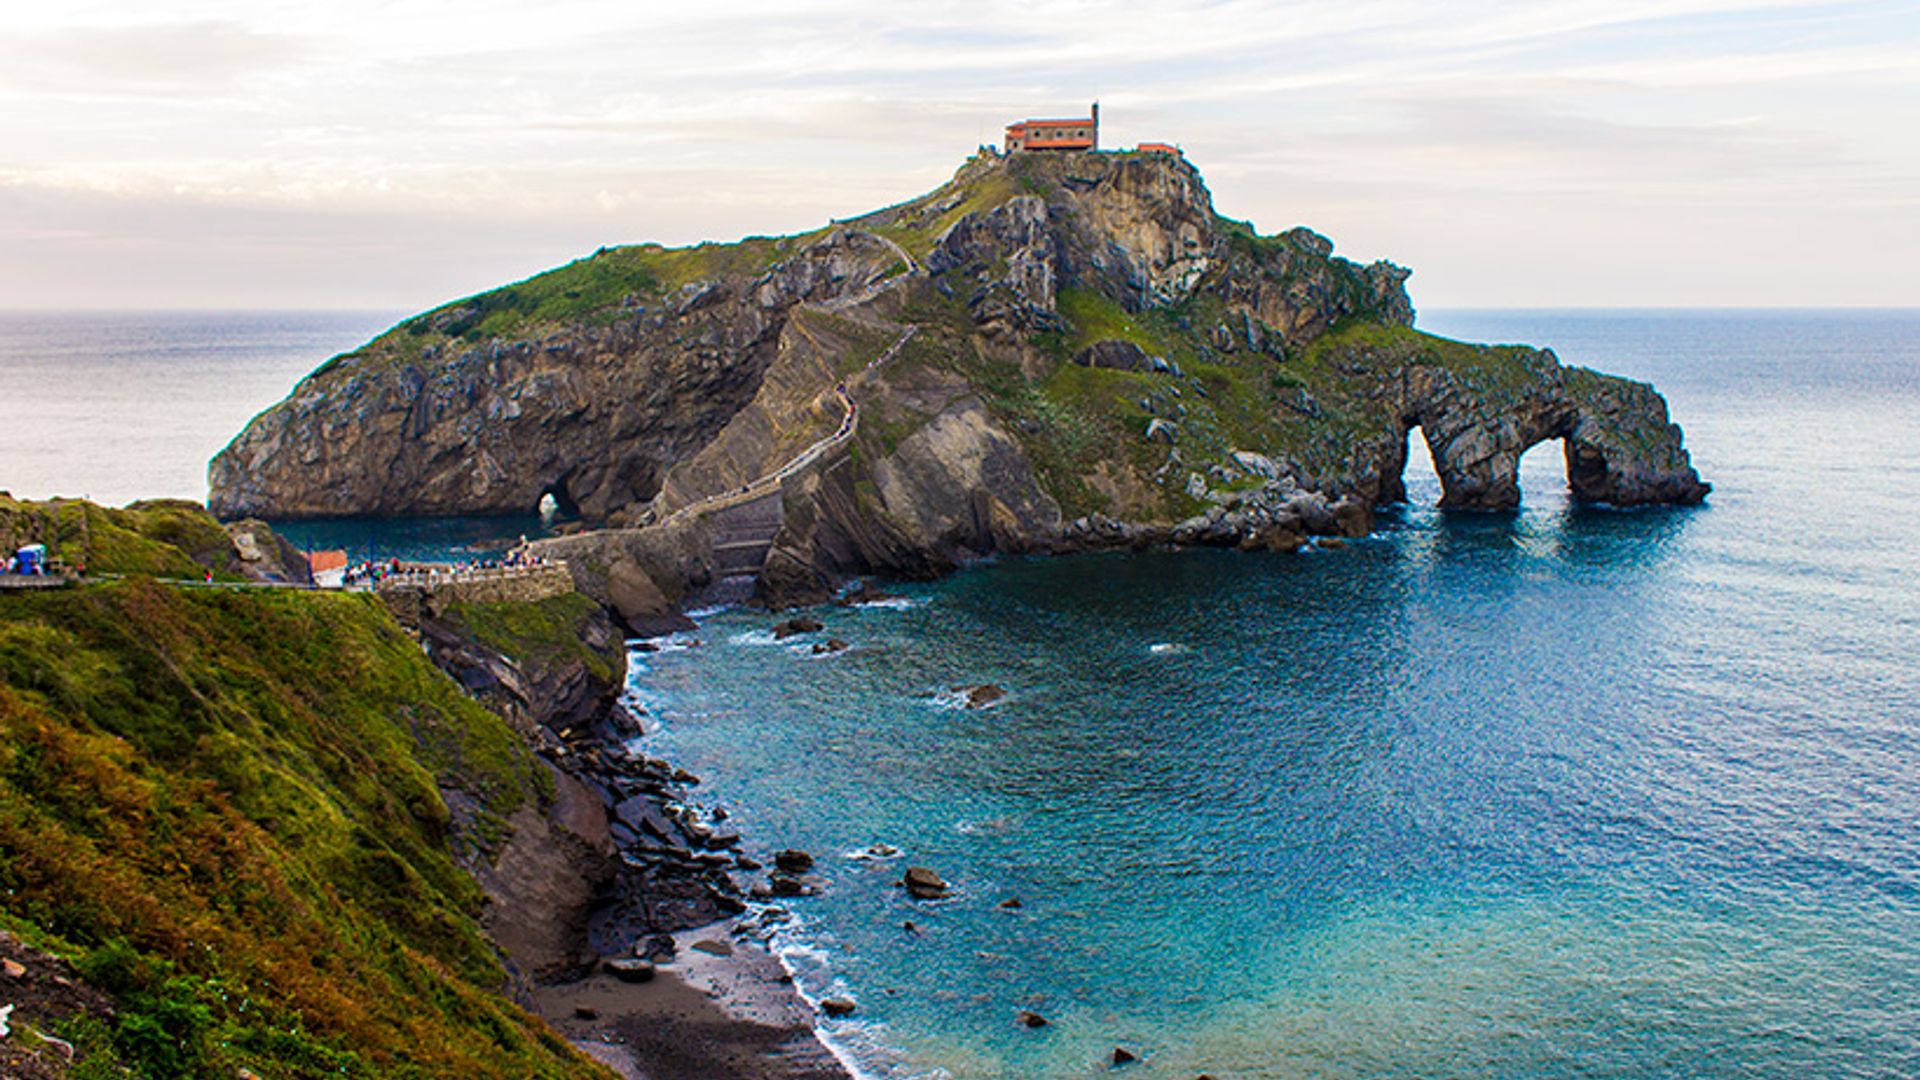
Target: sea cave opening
1542, 475
1420, 479
556, 505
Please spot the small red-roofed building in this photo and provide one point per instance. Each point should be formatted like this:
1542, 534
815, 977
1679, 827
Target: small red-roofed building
1077, 134
329, 568
1157, 148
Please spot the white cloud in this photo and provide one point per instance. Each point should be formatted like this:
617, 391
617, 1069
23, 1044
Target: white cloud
563, 125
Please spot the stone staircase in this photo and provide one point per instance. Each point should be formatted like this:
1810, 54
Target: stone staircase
743, 533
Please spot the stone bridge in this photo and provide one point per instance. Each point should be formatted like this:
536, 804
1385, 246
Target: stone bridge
743, 533
414, 595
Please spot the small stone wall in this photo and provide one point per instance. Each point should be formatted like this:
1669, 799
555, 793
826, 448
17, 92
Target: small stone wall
410, 597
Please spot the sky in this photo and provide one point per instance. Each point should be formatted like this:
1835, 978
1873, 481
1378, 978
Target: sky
394, 154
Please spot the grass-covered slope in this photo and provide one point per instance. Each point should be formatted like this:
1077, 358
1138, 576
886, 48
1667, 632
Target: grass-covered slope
225, 806
594, 291
161, 537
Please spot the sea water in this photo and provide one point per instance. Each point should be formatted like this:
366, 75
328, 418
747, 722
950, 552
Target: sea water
1552, 793
1563, 792
119, 406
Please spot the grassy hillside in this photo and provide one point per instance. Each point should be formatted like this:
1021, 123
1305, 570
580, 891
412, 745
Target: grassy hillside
161, 537
226, 807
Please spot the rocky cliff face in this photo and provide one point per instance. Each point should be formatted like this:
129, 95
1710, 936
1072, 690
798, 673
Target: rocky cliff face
1050, 352
489, 404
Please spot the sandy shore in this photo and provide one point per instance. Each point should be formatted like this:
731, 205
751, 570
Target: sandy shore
702, 1017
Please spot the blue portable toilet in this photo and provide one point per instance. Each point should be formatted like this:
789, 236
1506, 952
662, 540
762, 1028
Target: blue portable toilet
31, 559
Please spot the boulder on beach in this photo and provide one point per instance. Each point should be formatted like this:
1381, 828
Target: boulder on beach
924, 884
630, 969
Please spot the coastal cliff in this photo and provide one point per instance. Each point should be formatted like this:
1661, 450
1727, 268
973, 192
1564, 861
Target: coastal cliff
1047, 353
265, 831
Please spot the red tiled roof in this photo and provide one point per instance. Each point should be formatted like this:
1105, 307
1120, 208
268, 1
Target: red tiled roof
322, 561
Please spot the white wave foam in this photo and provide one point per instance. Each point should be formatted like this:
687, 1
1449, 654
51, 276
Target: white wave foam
891, 603
753, 637
678, 641
1167, 648
857, 1045
946, 699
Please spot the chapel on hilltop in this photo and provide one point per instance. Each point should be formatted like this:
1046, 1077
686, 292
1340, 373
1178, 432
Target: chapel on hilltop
1080, 134
1070, 135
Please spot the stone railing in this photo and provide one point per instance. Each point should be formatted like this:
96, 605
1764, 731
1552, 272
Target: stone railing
521, 584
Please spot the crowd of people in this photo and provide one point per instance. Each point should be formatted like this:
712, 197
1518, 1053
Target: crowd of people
369, 573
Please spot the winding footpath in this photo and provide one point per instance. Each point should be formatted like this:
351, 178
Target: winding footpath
769, 483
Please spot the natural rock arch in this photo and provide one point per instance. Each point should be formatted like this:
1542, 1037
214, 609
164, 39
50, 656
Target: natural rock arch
1619, 446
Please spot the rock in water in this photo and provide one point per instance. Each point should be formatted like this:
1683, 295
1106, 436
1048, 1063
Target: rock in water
793, 861
924, 884
981, 696
800, 624
837, 1007
1123, 1056
1032, 1019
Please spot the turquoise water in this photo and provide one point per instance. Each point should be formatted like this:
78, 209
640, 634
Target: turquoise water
1555, 793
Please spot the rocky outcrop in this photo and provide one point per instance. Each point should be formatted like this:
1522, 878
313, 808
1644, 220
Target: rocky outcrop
265, 555
1049, 353
1114, 356
1007, 258
613, 857
441, 416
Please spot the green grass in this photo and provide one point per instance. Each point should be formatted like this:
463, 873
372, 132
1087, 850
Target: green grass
546, 632
162, 538
595, 290
226, 807
916, 228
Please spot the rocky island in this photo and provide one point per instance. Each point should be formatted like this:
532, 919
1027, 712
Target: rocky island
1048, 353
245, 820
